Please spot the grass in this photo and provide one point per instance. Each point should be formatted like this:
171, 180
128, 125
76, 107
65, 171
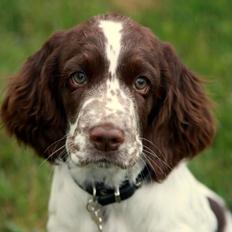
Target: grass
201, 31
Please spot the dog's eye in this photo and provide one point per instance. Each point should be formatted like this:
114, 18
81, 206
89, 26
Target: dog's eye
78, 78
141, 84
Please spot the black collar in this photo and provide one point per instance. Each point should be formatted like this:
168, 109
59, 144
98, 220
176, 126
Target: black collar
105, 196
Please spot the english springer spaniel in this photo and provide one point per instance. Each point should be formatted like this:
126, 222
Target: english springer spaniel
118, 114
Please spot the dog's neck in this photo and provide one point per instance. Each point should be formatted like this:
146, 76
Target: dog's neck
150, 207
104, 195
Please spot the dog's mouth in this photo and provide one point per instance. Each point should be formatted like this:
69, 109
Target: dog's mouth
111, 172
103, 162
90, 157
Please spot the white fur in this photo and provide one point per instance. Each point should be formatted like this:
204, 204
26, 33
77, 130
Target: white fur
112, 32
179, 204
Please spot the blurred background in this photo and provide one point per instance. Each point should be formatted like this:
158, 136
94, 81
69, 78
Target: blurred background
201, 32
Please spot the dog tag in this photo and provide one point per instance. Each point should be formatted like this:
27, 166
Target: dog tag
95, 211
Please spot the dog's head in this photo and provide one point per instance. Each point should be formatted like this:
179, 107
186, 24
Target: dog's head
108, 97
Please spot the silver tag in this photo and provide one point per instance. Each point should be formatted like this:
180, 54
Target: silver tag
95, 211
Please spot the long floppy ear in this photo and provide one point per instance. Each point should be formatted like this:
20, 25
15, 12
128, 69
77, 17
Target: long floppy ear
32, 109
183, 125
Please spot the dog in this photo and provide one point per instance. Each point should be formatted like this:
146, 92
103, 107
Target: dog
118, 115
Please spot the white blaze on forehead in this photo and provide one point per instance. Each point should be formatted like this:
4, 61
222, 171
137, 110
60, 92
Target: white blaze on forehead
112, 32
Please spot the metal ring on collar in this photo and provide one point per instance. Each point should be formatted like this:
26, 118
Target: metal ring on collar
117, 195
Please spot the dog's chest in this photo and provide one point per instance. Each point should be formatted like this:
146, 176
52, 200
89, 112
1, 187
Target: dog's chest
68, 210
69, 215
159, 208
80, 221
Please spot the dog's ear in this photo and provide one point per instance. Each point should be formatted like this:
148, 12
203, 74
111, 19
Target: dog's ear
32, 109
183, 125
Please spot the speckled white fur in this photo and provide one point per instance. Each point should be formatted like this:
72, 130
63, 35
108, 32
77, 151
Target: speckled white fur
179, 204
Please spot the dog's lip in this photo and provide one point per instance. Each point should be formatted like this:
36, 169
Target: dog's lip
110, 159
105, 163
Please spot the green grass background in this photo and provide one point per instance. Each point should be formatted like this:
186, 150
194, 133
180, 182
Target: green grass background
200, 30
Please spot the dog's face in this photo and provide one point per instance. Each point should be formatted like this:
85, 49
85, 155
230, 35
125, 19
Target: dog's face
109, 90
112, 98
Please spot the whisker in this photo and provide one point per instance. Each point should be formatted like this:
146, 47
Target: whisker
153, 154
149, 173
141, 158
64, 137
151, 164
147, 140
158, 158
149, 149
61, 157
153, 144
53, 153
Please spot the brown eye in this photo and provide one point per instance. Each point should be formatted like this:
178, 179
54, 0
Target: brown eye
78, 79
141, 85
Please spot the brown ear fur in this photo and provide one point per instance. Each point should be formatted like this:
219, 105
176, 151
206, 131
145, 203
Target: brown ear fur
184, 124
32, 110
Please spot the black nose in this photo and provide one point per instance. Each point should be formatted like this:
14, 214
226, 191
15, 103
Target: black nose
106, 137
